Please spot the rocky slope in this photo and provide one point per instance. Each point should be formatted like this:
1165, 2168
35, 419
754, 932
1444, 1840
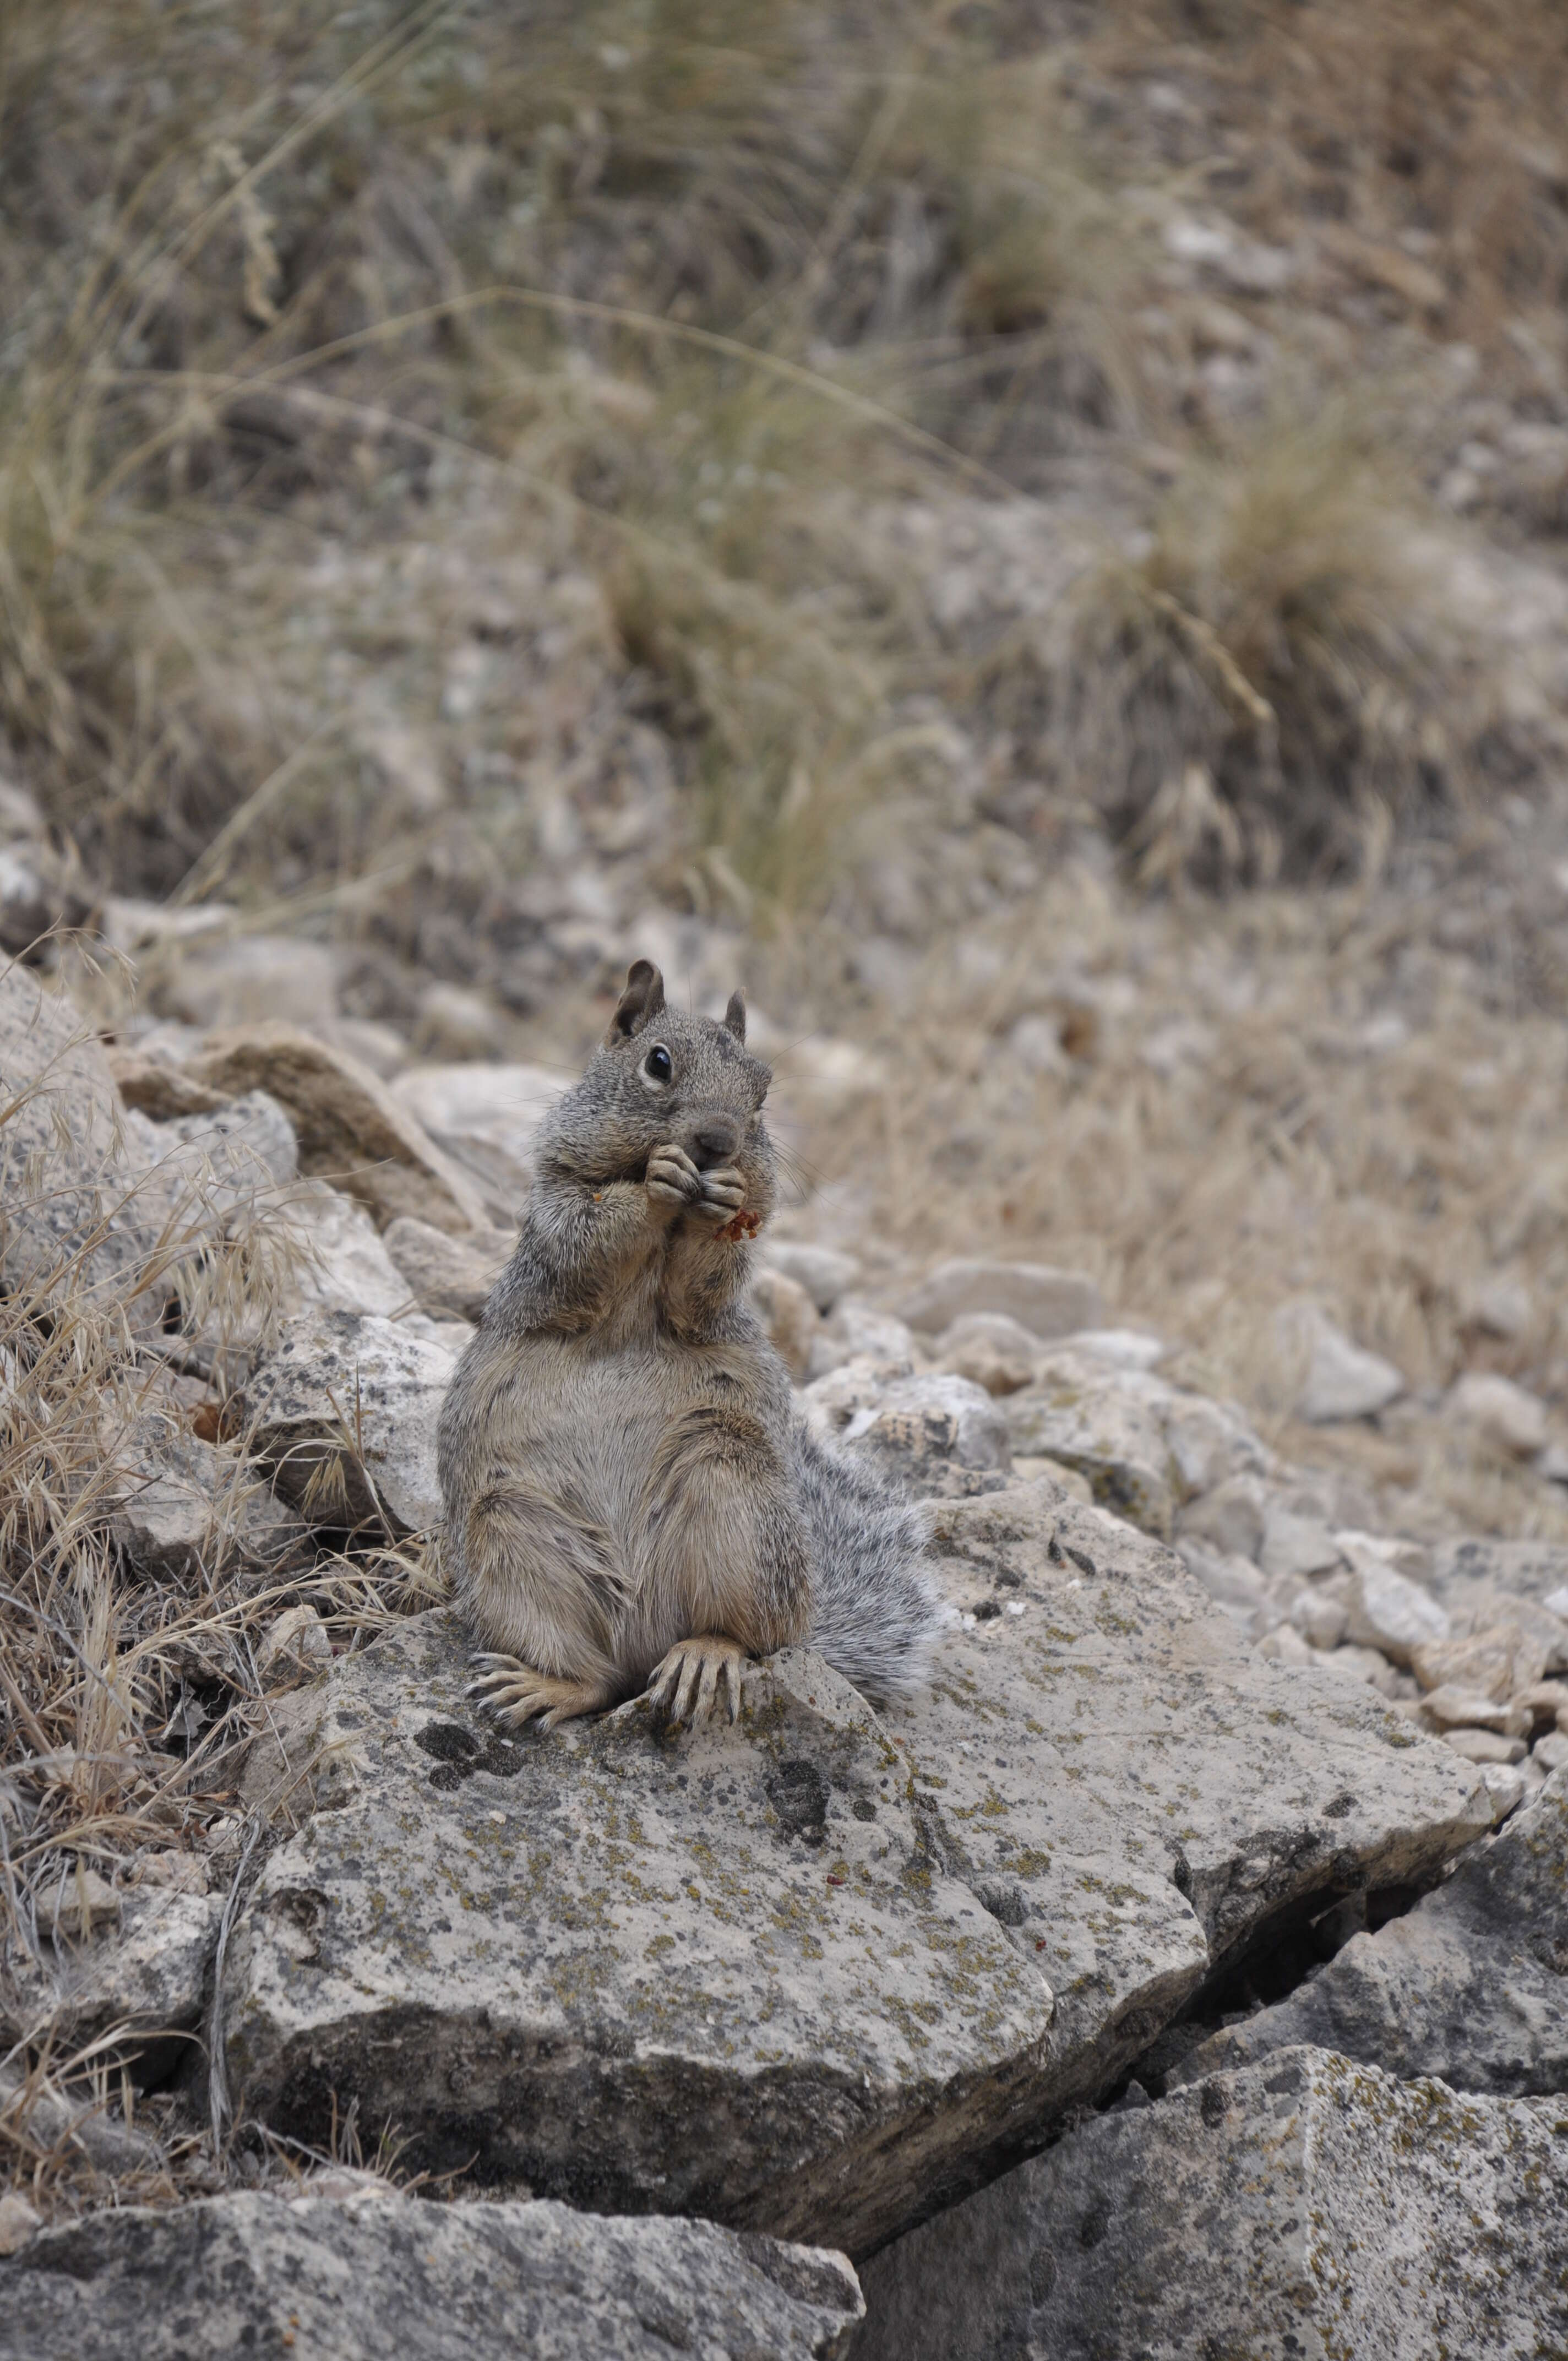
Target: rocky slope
1205, 1774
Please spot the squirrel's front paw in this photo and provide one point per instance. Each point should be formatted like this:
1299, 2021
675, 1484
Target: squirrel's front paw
672, 1178
723, 1194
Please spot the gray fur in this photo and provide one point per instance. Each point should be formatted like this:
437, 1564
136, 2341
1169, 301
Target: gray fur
622, 1466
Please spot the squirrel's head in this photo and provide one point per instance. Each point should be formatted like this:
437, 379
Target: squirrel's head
659, 1076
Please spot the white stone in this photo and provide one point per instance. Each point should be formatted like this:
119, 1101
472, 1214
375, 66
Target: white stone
855, 1332
1046, 1302
1322, 1621
18, 2222
1501, 1413
1296, 1545
64, 1172
1359, 1664
1506, 1785
504, 1105
1501, 1307
1285, 1646
1107, 1425
296, 1642
1124, 1349
1386, 1610
829, 1402
1209, 1441
1550, 1752
251, 978
187, 1510
1457, 1708
916, 1421
455, 1021
1338, 1380
825, 1275
1232, 1583
143, 1972
222, 1163
991, 1350
1036, 1042
1032, 1469
1228, 1519
342, 1264
449, 1278
1486, 1746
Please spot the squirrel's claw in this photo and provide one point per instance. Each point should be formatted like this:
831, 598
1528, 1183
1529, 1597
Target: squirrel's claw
516, 1694
685, 1684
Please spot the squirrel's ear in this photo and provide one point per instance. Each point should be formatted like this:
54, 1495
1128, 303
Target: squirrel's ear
640, 1001
735, 1014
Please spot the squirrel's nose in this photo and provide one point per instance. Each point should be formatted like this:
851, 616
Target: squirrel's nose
715, 1139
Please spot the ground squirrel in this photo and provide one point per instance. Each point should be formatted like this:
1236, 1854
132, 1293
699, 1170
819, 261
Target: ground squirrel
632, 1499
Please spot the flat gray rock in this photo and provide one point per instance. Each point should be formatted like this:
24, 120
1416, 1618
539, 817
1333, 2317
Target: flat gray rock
149, 1972
1135, 1792
1305, 2209
224, 1159
186, 1509
720, 1972
344, 1407
1471, 1985
821, 1971
358, 2280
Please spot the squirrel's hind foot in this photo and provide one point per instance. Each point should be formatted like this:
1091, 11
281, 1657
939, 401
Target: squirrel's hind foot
515, 1692
685, 1684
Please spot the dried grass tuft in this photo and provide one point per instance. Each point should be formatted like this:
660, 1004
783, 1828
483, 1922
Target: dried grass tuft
1276, 684
124, 1699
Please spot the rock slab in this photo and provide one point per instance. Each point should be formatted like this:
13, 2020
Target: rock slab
1306, 2209
719, 1974
265, 2276
1471, 1985
822, 1971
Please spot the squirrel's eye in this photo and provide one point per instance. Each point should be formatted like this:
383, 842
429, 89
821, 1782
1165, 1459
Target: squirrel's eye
656, 1065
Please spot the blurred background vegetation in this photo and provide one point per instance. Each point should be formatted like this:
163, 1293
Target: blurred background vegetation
655, 318
1021, 528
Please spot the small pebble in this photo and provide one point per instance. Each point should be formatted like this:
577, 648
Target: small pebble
1322, 1621
17, 2223
1488, 1746
1506, 1787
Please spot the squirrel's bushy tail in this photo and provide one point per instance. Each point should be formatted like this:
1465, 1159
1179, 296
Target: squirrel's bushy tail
876, 1610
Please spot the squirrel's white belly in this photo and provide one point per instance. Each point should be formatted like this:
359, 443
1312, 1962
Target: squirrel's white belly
594, 1427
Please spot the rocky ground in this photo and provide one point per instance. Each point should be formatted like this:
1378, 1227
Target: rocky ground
982, 1992
1033, 540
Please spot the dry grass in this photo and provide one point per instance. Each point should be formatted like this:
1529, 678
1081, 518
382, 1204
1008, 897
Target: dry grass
326, 301
125, 1695
1277, 682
